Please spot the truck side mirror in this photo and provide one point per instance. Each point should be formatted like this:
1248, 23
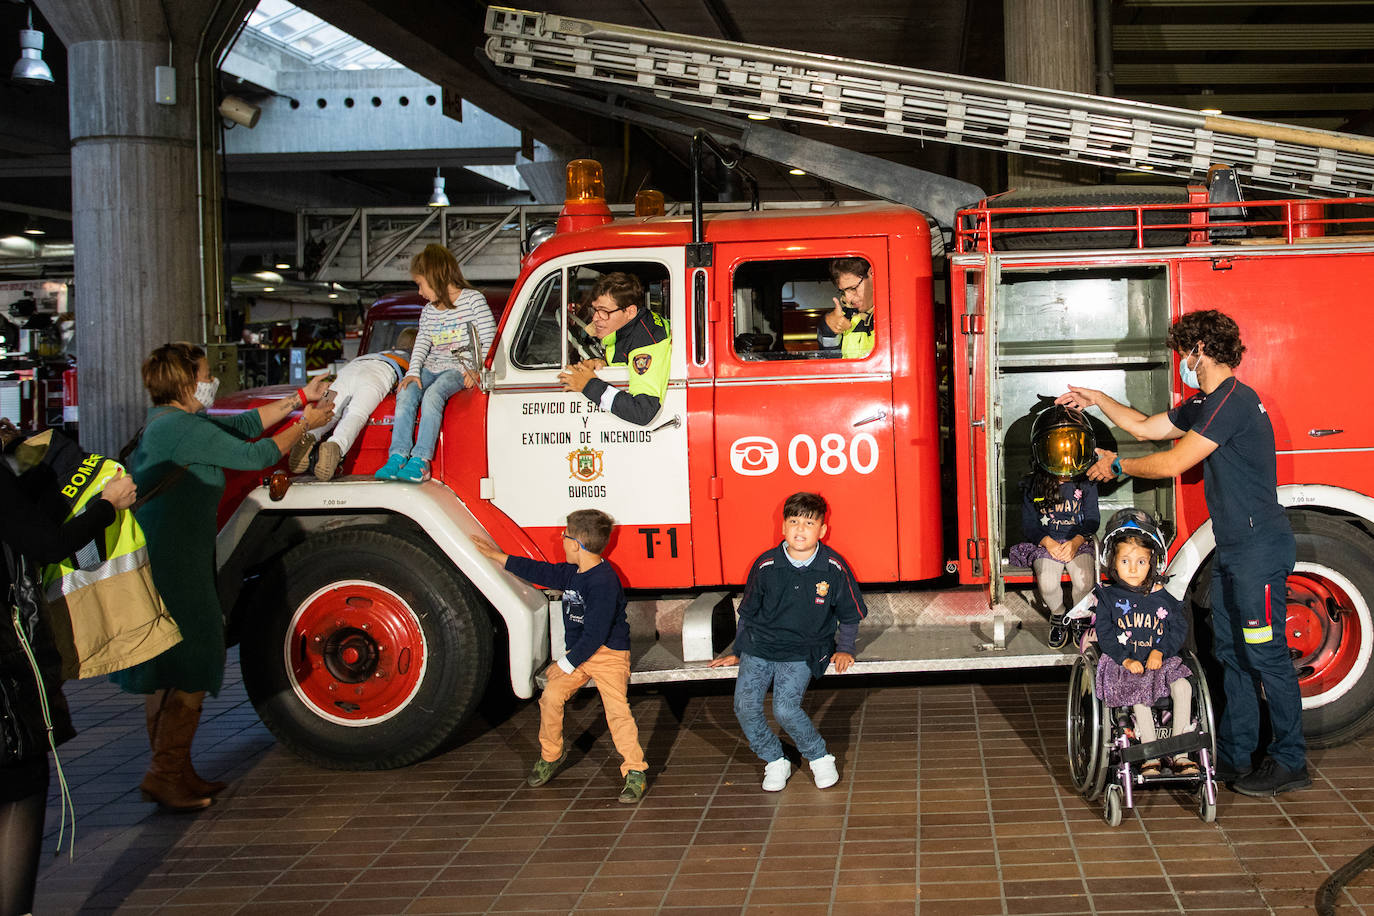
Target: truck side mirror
474, 347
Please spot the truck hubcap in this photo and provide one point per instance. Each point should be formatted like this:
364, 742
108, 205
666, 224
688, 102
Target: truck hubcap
1327, 634
355, 653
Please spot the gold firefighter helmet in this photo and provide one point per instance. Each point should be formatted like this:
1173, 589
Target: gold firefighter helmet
1062, 442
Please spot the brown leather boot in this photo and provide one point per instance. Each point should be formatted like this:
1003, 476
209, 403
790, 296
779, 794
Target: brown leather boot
165, 781
193, 780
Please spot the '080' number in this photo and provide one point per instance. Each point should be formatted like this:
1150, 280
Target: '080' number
757, 456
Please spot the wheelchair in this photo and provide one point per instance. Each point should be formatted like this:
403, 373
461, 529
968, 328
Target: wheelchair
1104, 755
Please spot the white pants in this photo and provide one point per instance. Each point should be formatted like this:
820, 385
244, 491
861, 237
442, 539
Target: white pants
362, 384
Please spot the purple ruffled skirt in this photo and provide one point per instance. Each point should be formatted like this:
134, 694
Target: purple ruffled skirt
1026, 553
1118, 687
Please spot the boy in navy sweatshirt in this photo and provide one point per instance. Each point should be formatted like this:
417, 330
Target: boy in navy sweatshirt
597, 637
801, 608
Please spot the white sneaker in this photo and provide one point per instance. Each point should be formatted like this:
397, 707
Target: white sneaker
775, 775
823, 769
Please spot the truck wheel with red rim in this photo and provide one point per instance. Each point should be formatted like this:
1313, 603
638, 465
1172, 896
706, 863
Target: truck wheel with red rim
1330, 628
368, 653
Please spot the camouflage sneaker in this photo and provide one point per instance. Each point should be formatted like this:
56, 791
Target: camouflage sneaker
544, 769
299, 458
634, 788
327, 460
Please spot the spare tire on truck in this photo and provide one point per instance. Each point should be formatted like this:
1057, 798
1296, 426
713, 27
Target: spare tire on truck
1088, 196
366, 649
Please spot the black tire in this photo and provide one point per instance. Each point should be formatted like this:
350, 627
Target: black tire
390, 650
1112, 805
1089, 196
1087, 730
1338, 710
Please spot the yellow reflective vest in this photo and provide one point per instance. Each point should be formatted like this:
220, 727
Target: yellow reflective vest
105, 612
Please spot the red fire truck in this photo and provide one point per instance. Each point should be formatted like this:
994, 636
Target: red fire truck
370, 626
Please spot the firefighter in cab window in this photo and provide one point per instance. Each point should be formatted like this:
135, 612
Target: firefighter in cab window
634, 337
851, 321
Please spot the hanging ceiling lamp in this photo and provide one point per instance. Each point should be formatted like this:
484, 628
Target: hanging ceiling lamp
30, 69
438, 198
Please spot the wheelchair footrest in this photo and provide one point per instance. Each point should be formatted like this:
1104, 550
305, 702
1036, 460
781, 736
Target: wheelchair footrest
1166, 747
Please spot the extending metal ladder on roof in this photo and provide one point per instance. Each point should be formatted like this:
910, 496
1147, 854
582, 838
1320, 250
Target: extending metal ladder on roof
839, 92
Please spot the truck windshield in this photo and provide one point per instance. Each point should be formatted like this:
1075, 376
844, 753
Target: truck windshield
385, 332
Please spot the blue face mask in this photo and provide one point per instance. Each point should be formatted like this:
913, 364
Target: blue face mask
1188, 376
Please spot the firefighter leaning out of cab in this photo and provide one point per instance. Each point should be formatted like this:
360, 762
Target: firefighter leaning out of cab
850, 324
633, 337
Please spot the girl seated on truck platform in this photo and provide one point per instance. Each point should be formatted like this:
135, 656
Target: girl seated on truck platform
1059, 513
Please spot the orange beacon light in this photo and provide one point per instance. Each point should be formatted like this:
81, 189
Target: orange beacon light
584, 204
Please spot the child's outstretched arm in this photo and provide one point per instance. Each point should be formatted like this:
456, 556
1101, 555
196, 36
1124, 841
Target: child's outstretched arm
489, 550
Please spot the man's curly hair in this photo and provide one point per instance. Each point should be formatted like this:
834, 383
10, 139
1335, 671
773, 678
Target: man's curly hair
1217, 331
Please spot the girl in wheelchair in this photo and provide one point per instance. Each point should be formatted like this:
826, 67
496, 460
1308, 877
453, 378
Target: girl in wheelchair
1136, 664
1140, 631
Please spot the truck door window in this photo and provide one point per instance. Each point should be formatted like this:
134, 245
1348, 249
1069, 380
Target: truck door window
582, 342
538, 344
780, 308
554, 315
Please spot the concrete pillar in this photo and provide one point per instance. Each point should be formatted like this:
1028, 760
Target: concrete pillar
134, 198
1049, 43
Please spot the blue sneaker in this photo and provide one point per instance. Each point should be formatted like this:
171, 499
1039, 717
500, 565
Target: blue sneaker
415, 471
392, 468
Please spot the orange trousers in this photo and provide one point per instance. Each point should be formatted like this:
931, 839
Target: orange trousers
611, 670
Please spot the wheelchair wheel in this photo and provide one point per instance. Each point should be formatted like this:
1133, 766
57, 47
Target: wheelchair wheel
1206, 810
1088, 731
1202, 701
1111, 808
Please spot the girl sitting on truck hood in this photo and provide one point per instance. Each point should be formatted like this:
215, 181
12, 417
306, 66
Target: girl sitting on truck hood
441, 365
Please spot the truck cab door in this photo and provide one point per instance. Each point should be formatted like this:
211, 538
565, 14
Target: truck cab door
550, 451
792, 413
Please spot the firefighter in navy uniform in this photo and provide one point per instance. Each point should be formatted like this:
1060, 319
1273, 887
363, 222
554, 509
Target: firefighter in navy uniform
1226, 429
634, 337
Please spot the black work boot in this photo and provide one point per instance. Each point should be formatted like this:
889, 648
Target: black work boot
1271, 778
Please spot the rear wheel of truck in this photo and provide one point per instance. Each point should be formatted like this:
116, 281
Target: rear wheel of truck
1330, 628
368, 653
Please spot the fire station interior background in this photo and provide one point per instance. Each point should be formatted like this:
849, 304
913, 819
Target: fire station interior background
364, 103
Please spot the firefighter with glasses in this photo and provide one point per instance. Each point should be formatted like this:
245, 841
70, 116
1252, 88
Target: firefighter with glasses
633, 336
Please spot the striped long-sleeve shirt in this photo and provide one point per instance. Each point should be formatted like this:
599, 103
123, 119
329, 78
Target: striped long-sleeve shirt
441, 341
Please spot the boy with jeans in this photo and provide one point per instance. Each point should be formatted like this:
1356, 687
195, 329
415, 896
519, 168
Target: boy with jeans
798, 594
597, 636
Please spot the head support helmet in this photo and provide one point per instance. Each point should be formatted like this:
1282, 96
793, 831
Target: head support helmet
1134, 523
1062, 442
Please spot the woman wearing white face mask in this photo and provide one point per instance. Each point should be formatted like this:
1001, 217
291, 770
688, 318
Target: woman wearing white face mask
189, 450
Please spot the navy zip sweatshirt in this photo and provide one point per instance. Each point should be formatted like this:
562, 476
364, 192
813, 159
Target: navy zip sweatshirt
792, 613
593, 605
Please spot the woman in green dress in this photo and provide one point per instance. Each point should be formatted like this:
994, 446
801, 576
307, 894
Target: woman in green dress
179, 438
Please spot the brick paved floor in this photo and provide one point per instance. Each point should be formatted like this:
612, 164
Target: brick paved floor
953, 799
